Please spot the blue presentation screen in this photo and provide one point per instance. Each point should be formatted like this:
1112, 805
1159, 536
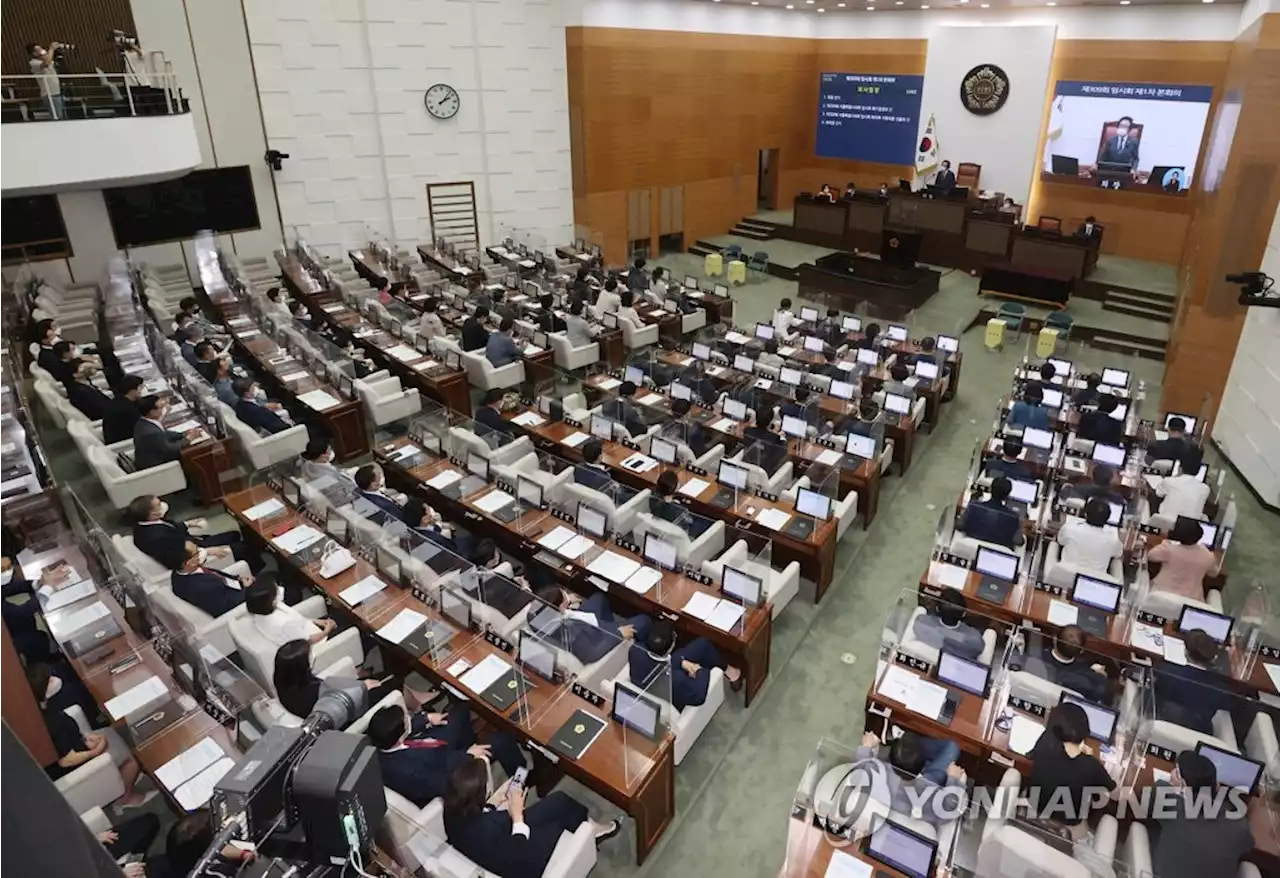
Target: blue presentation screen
870, 117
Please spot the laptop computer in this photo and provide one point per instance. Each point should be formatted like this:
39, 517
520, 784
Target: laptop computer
960, 673
1037, 444
999, 572
811, 507
1096, 601
1065, 164
903, 849
732, 479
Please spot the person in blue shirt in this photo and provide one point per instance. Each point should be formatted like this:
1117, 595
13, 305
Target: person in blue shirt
1029, 411
591, 642
690, 664
501, 350
223, 383
253, 409
991, 520
369, 483
489, 415
1007, 464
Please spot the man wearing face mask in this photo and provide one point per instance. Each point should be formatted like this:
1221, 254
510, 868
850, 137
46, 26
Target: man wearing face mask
152, 443
1121, 148
253, 408
92, 402
157, 535
216, 592
30, 641
370, 486
317, 463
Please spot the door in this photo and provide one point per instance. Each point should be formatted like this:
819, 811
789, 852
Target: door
767, 180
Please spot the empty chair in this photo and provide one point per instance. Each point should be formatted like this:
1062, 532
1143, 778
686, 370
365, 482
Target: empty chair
778, 586
124, 487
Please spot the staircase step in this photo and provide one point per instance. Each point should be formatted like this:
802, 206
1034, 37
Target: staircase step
753, 234
1151, 349
1138, 311
758, 224
1145, 300
707, 246
1133, 292
700, 250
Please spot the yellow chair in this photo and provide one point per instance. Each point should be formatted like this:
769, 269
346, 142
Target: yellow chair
994, 339
737, 272
1046, 342
713, 265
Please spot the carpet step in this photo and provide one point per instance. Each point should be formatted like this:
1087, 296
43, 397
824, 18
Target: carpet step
701, 249
753, 234
1151, 349
1146, 300
1143, 311
760, 225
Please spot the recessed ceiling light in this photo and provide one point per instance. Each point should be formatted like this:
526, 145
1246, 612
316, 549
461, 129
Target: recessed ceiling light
986, 5
1053, 3
755, 2
1124, 2
790, 6
820, 9
924, 6
1206, 1
964, 1
841, 5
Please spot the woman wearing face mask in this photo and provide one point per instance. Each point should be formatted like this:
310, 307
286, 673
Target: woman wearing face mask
29, 640
317, 464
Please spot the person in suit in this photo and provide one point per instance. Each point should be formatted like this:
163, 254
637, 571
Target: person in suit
623, 409
690, 665
427, 523
1174, 446
30, 640
1190, 695
152, 443
1099, 425
830, 329
254, 410
1100, 486
849, 191
870, 334
825, 194
591, 472
897, 383
297, 686
1089, 230
1088, 395
1062, 660
946, 178
662, 505
1192, 843
46, 334
1007, 464
489, 415
223, 383
192, 335
430, 325
501, 349
159, 536
587, 641
474, 336
577, 327
58, 362
1173, 184
206, 360
548, 320
517, 842
88, 400
637, 278
694, 435
581, 287
991, 520
122, 413
609, 300
369, 486
1121, 148
205, 588
943, 626
798, 407
770, 357
1029, 411
418, 752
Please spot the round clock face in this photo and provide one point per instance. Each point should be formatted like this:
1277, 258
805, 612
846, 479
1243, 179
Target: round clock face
441, 101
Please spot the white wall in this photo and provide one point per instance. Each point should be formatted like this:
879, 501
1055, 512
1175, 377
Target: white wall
1247, 429
342, 87
1005, 142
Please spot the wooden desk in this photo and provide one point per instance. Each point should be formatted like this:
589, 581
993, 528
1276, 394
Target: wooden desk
810, 851
204, 463
448, 265
634, 774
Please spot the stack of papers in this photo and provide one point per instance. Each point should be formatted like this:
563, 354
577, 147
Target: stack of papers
1147, 637
444, 479
318, 400
57, 598
405, 451
724, 425
830, 457
1062, 614
1273, 671
643, 579
1175, 649
717, 613
426, 364
786, 351
841, 865
556, 538
184, 426
927, 698
63, 626
296, 539
293, 376
528, 419
531, 350
485, 674
573, 440
950, 576
650, 399
332, 307
196, 792
694, 487
403, 353
493, 501
132, 700
613, 567
897, 684
1023, 734
774, 519
405, 623
366, 588
189, 763
574, 548
736, 338
608, 383
262, 510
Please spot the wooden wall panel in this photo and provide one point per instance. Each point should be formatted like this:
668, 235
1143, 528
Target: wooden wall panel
85, 23
1139, 225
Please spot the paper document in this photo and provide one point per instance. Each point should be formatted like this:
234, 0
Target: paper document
701, 605
196, 792
297, 539
318, 400
405, 451
725, 616
736, 338
841, 865
589, 618
897, 684
951, 576
262, 510
362, 590
444, 479
786, 351
483, 675
528, 419
69, 623
403, 353
132, 700
1153, 481
614, 567
927, 699
556, 538
687, 361
724, 425
189, 763
713, 371
774, 519
425, 365
574, 548
829, 457
531, 350
1062, 614
56, 599
293, 376
694, 487
1273, 671
184, 426
1147, 637
1175, 649
1157, 775
332, 307
1075, 464
763, 383
1023, 734
643, 579
404, 624
573, 440
846, 366
493, 501
608, 383
639, 463
650, 399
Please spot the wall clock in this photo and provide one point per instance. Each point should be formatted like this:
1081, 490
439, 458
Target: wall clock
984, 89
441, 101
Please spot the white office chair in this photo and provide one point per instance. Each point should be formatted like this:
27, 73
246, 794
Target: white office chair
1063, 573
761, 480
264, 451
1261, 744
465, 441
50, 399
688, 724
574, 855
386, 400
270, 712
484, 375
779, 586
845, 511
213, 630
552, 484
93, 784
122, 488
688, 551
621, 519
693, 322
259, 654
921, 650
637, 336
569, 357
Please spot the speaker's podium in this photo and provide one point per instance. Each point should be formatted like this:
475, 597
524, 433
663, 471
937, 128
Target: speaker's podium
900, 247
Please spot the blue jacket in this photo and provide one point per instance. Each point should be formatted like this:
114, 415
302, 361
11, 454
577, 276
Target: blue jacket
491, 418
259, 417
210, 592
383, 502
501, 350
991, 522
1024, 414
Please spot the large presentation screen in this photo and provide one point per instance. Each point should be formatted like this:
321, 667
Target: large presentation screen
1125, 135
870, 117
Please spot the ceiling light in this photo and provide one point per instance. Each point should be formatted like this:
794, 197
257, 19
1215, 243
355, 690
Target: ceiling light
1124, 2
1053, 2
790, 6
964, 1
841, 5
820, 9
925, 6
755, 2
1206, 1
986, 5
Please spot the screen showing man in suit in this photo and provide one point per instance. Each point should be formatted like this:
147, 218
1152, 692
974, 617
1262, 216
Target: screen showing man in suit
1125, 135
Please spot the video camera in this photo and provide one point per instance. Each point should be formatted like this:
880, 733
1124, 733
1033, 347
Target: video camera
1255, 289
122, 41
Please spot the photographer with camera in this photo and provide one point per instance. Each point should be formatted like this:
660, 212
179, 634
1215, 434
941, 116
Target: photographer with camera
136, 74
42, 67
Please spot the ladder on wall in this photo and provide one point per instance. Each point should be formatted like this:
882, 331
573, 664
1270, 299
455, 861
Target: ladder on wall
451, 208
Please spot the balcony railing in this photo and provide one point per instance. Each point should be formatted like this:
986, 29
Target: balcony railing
91, 96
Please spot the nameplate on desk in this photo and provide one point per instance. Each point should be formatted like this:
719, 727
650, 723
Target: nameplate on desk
593, 698
616, 373
1271, 652
366, 551
419, 594
1029, 706
627, 443
948, 558
527, 401
1055, 590
911, 661
315, 516
497, 640
457, 461
504, 485
572, 423
831, 826
1160, 752
275, 484
697, 576
562, 515
827, 443
765, 495
1148, 529
931, 591
670, 617
1151, 619
602, 584
696, 470
626, 544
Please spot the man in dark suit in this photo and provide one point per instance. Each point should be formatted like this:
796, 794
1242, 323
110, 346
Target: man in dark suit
1007, 464
206, 360
474, 336
1099, 426
1101, 480
489, 415
1089, 230
798, 407
90, 401
946, 178
1173, 447
690, 666
1190, 695
548, 320
252, 409
122, 415
418, 753
770, 448
664, 507
56, 360
1063, 661
591, 642
152, 443
623, 410
427, 523
1121, 148
202, 587
591, 472
694, 436
369, 484
160, 537
991, 520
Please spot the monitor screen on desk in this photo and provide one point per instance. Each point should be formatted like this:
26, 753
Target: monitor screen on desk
815, 344
1034, 437
764, 331
790, 376
536, 656
701, 351
1233, 769
456, 608
1102, 720
736, 409
1122, 409
1111, 455
851, 324
814, 504
1115, 512
900, 848
690, 282
681, 391
636, 711
659, 551
1024, 491
868, 356
897, 332
793, 426
732, 476
1052, 398
926, 370
1115, 377
841, 389
741, 586
1216, 625
860, 446
661, 449
1096, 593
809, 315
743, 363
634, 374
478, 466
601, 427
1191, 422
591, 520
1000, 565
973, 677
948, 343
529, 492
898, 404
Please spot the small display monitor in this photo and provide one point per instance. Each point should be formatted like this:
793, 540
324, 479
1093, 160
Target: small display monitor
1111, 455
659, 551
815, 344
456, 608
1216, 625
681, 391
1115, 512
601, 427
897, 403
661, 449
637, 711
1097, 593
809, 315
1062, 368
609, 319
948, 343
743, 363
1000, 565
1233, 769
701, 351
1052, 398
841, 389
793, 426
860, 446
690, 282
897, 332
1209, 532
591, 520
721, 290
1102, 720
529, 492
787, 375
736, 409
536, 656
732, 476
634, 374
813, 503
1024, 491
851, 323
764, 331
478, 466
926, 370
1191, 422
868, 356
973, 677
900, 848
741, 586
671, 306
1035, 437
1115, 377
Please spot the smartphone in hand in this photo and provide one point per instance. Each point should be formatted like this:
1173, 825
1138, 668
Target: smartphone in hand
518, 778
